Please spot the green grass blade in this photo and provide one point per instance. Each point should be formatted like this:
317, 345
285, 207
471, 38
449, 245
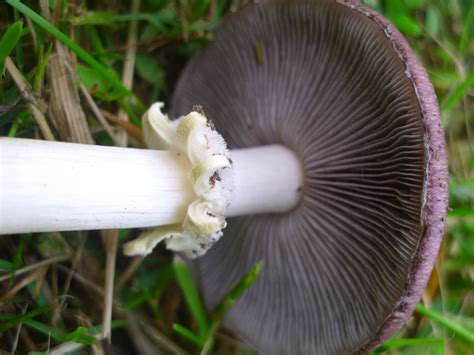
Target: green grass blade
185, 332
41, 67
200, 7
81, 53
467, 33
13, 129
191, 295
13, 322
19, 56
228, 302
462, 212
9, 41
116, 324
17, 260
43, 328
5, 264
34, 324
398, 343
454, 327
80, 335
97, 45
239, 289
209, 342
103, 18
451, 101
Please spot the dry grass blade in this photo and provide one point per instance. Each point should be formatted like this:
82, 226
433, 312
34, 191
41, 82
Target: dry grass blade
110, 242
139, 339
75, 262
129, 64
20, 285
129, 272
77, 258
34, 104
39, 282
18, 331
83, 280
128, 127
99, 115
35, 266
159, 338
65, 108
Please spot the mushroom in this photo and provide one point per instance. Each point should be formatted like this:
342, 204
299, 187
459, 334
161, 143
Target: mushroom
337, 84
339, 176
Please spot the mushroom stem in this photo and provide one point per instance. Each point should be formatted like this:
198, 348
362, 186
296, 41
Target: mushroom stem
268, 179
53, 186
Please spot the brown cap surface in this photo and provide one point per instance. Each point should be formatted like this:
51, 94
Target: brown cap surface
339, 85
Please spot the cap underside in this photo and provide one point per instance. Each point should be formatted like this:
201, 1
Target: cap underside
325, 81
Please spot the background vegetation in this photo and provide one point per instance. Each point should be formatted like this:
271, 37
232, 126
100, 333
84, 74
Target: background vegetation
58, 291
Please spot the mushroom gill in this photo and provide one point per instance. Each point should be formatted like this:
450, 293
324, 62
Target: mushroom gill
325, 81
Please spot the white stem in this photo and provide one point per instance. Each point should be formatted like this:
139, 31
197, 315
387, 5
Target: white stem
268, 179
53, 186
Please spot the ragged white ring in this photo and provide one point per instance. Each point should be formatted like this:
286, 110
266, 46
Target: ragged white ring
211, 176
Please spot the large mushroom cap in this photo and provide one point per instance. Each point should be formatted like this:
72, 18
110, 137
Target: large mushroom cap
339, 85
